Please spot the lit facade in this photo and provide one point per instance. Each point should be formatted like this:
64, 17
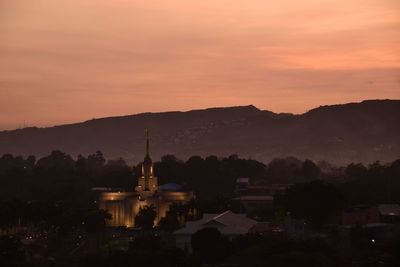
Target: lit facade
124, 206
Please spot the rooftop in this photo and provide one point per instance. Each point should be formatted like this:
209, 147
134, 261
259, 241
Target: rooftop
389, 209
228, 223
254, 198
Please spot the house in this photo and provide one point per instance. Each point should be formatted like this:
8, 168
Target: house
249, 198
389, 213
252, 202
242, 183
381, 222
228, 223
363, 214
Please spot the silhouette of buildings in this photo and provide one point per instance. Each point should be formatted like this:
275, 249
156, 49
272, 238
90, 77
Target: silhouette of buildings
249, 198
124, 206
364, 214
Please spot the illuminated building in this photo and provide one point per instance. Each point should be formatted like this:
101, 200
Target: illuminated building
124, 206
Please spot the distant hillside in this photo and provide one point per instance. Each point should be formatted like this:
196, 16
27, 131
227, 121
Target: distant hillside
355, 132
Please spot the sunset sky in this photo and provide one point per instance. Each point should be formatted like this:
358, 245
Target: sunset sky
69, 61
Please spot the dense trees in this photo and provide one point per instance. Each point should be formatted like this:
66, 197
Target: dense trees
292, 170
209, 177
376, 183
59, 177
316, 202
356, 171
62, 216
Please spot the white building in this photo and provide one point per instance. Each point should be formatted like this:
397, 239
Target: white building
228, 223
124, 206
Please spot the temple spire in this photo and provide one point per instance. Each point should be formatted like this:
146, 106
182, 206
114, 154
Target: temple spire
147, 143
148, 183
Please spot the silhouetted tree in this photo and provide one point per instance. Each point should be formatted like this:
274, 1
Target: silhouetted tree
96, 160
356, 171
209, 244
176, 216
116, 173
95, 220
145, 218
316, 202
170, 170
284, 170
57, 160
309, 170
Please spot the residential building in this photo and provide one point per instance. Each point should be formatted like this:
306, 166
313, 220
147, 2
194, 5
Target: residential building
228, 223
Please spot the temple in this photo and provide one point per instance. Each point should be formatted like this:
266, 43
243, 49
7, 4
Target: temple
124, 206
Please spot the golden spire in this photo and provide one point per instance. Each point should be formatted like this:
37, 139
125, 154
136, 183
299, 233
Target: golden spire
147, 143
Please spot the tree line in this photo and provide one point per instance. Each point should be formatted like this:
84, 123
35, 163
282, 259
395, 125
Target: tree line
59, 177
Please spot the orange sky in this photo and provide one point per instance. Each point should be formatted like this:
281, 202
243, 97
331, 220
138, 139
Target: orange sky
68, 61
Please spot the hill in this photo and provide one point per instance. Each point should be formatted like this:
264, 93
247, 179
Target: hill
354, 132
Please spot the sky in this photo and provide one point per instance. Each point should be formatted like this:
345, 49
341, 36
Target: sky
71, 61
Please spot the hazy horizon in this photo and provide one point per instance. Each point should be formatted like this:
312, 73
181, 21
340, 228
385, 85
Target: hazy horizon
71, 61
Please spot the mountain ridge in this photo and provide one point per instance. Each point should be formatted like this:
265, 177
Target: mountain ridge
360, 132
